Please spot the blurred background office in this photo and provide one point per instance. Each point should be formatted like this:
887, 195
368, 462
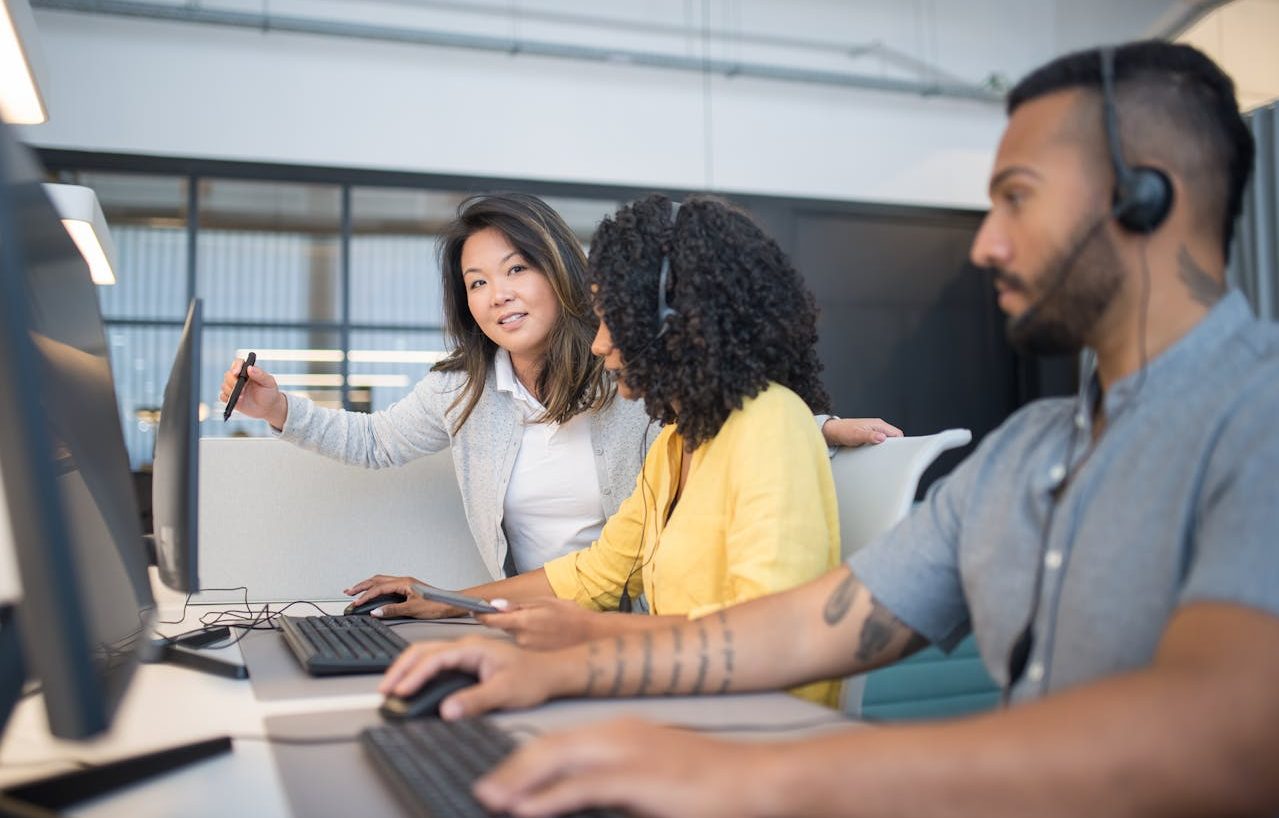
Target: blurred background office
290, 162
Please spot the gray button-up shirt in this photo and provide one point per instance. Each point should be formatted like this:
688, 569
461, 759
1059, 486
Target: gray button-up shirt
1177, 502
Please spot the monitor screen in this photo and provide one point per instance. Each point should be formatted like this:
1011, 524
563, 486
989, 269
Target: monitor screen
175, 475
86, 608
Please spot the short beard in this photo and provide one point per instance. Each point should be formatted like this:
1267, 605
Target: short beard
1078, 285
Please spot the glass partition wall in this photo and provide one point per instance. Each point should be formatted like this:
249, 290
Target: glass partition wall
334, 284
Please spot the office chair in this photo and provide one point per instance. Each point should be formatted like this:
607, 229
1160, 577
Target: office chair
875, 487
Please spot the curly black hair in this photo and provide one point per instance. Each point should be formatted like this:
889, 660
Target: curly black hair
743, 317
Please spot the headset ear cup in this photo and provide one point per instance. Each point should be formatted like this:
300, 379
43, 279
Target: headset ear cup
1144, 199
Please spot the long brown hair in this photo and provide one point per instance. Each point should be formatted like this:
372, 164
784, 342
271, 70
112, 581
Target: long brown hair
572, 380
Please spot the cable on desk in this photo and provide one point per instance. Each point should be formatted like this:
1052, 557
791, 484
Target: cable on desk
783, 727
297, 741
245, 619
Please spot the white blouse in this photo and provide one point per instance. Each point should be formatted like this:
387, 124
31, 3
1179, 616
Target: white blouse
552, 504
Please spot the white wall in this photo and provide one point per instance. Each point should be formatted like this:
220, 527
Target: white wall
162, 88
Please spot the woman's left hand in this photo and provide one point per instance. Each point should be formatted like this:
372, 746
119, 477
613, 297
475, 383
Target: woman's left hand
545, 624
858, 431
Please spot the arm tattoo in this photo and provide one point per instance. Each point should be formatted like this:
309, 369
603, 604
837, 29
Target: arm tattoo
646, 671
728, 652
1203, 287
840, 600
619, 668
702, 658
676, 660
877, 632
592, 670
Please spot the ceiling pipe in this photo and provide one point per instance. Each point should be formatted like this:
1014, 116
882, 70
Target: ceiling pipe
570, 51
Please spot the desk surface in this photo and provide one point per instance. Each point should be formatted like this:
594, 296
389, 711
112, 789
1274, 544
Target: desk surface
168, 705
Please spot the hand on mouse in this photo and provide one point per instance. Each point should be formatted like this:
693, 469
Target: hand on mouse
546, 623
510, 677
412, 606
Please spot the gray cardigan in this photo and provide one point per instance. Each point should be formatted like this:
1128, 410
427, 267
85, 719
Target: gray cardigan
483, 449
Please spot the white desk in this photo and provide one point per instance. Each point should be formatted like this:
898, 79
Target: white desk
168, 705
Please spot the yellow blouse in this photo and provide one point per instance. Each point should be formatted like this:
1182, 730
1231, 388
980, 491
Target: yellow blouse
758, 515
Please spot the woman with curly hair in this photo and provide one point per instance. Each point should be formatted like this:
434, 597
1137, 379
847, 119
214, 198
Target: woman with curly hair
703, 318
543, 451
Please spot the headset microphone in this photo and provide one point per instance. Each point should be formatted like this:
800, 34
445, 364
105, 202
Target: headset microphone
1141, 199
1063, 271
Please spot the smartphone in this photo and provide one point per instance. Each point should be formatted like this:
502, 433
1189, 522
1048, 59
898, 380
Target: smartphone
470, 603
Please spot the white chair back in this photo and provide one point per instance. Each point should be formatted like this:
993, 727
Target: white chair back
875, 485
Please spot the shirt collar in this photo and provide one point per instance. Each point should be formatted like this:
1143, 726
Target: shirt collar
1184, 358
505, 380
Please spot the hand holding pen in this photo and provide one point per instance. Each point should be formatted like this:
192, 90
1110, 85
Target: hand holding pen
252, 392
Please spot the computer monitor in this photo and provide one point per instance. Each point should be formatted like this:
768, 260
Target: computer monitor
85, 612
86, 607
175, 472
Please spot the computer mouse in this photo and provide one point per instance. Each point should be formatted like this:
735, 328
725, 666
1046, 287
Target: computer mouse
426, 701
371, 605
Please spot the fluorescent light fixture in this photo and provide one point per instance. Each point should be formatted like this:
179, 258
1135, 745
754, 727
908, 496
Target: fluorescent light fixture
21, 66
83, 219
331, 356
394, 356
309, 380
358, 356
378, 380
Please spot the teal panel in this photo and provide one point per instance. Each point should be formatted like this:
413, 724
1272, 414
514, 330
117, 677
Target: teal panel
930, 684
933, 708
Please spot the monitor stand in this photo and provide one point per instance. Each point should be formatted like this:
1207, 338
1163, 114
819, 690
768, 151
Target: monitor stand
43, 797
183, 652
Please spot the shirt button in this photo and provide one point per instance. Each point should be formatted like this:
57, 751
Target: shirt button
599, 452
1057, 473
608, 491
1080, 420
1035, 672
1052, 560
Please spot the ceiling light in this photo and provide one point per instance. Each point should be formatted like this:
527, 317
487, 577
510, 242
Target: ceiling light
82, 217
21, 66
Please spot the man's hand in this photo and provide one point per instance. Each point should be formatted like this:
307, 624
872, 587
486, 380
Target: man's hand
413, 604
858, 431
510, 677
546, 624
632, 765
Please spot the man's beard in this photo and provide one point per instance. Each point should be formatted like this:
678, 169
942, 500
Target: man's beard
1078, 284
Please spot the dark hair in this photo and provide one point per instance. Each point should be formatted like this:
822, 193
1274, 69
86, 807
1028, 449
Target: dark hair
1166, 92
572, 380
743, 315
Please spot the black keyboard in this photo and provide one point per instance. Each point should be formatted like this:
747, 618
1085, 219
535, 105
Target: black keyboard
431, 764
332, 645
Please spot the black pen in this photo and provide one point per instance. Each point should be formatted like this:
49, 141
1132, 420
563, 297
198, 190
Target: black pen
240, 381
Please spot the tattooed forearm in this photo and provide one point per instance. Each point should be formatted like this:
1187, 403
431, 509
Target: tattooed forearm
841, 599
592, 668
878, 632
703, 657
1203, 287
619, 669
677, 660
728, 652
646, 670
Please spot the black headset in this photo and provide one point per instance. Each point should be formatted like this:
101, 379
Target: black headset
664, 311
664, 315
1143, 195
